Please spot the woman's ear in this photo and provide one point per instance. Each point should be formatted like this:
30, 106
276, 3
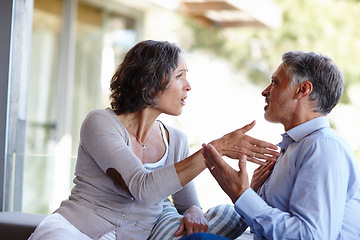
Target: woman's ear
304, 89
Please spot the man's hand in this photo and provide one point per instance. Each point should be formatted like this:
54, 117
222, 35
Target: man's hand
261, 174
237, 143
233, 182
193, 221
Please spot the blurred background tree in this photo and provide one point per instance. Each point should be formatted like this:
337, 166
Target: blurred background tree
329, 27
324, 26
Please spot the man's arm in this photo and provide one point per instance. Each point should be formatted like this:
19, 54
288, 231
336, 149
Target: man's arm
315, 206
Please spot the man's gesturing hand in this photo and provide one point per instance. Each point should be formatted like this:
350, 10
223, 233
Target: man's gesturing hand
233, 182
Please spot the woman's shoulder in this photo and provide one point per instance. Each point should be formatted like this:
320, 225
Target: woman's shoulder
101, 117
107, 112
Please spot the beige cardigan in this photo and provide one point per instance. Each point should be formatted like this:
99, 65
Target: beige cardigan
97, 206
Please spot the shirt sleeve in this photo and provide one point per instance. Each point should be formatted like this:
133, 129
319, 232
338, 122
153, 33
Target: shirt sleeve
104, 141
316, 203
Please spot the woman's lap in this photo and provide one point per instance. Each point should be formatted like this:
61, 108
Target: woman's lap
222, 219
224, 223
56, 227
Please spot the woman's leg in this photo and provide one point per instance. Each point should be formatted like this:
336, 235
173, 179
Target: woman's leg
56, 227
223, 220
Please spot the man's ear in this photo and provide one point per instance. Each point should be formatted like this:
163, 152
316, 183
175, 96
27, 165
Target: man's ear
304, 89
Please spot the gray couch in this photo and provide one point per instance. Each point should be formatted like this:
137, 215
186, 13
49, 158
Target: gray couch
18, 226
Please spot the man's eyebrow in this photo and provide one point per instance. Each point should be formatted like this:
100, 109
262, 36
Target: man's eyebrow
274, 79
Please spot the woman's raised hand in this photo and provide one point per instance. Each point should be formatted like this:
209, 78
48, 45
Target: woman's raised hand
237, 143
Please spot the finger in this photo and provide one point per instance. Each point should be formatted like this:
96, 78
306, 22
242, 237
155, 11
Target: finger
262, 178
213, 157
255, 151
259, 170
206, 154
270, 167
265, 151
180, 229
265, 154
242, 164
255, 160
266, 158
248, 127
206, 229
266, 174
263, 170
196, 227
189, 230
201, 227
262, 144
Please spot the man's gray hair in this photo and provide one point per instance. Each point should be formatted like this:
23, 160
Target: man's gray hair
325, 76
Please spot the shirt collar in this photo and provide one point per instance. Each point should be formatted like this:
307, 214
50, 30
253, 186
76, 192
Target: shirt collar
306, 128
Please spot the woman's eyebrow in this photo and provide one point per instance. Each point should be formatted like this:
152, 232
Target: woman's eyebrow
183, 70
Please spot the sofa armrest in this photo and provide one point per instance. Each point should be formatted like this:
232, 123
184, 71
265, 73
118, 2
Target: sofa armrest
17, 225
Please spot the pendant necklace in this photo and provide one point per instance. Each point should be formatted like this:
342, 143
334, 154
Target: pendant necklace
133, 132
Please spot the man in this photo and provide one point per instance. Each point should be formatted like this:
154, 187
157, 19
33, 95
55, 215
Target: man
313, 191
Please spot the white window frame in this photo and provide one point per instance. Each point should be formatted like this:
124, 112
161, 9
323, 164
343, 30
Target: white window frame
16, 27
15, 48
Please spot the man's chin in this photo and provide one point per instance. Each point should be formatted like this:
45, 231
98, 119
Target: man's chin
268, 118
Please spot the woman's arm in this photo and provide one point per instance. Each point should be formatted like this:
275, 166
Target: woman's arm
232, 145
105, 142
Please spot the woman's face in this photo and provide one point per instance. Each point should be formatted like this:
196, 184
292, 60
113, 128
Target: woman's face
172, 99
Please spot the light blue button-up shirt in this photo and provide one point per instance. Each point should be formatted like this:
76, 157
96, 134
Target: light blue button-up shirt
313, 191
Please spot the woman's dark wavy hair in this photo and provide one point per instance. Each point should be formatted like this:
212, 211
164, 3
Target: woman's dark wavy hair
145, 71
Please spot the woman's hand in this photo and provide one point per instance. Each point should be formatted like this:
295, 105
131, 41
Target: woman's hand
193, 221
237, 143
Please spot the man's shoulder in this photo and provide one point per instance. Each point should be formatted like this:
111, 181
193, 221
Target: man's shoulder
326, 133
327, 138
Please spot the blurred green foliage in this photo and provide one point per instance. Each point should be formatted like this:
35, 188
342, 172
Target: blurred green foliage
329, 27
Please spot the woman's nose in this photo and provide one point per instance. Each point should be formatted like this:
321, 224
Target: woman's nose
187, 86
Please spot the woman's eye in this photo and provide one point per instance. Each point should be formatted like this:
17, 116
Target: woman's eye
179, 76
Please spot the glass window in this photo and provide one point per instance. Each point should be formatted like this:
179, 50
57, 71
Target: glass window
101, 39
41, 117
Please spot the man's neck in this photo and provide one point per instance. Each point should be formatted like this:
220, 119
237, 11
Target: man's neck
301, 118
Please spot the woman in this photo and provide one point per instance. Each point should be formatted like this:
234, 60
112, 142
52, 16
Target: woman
128, 162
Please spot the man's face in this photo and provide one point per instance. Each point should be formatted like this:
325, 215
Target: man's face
279, 98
